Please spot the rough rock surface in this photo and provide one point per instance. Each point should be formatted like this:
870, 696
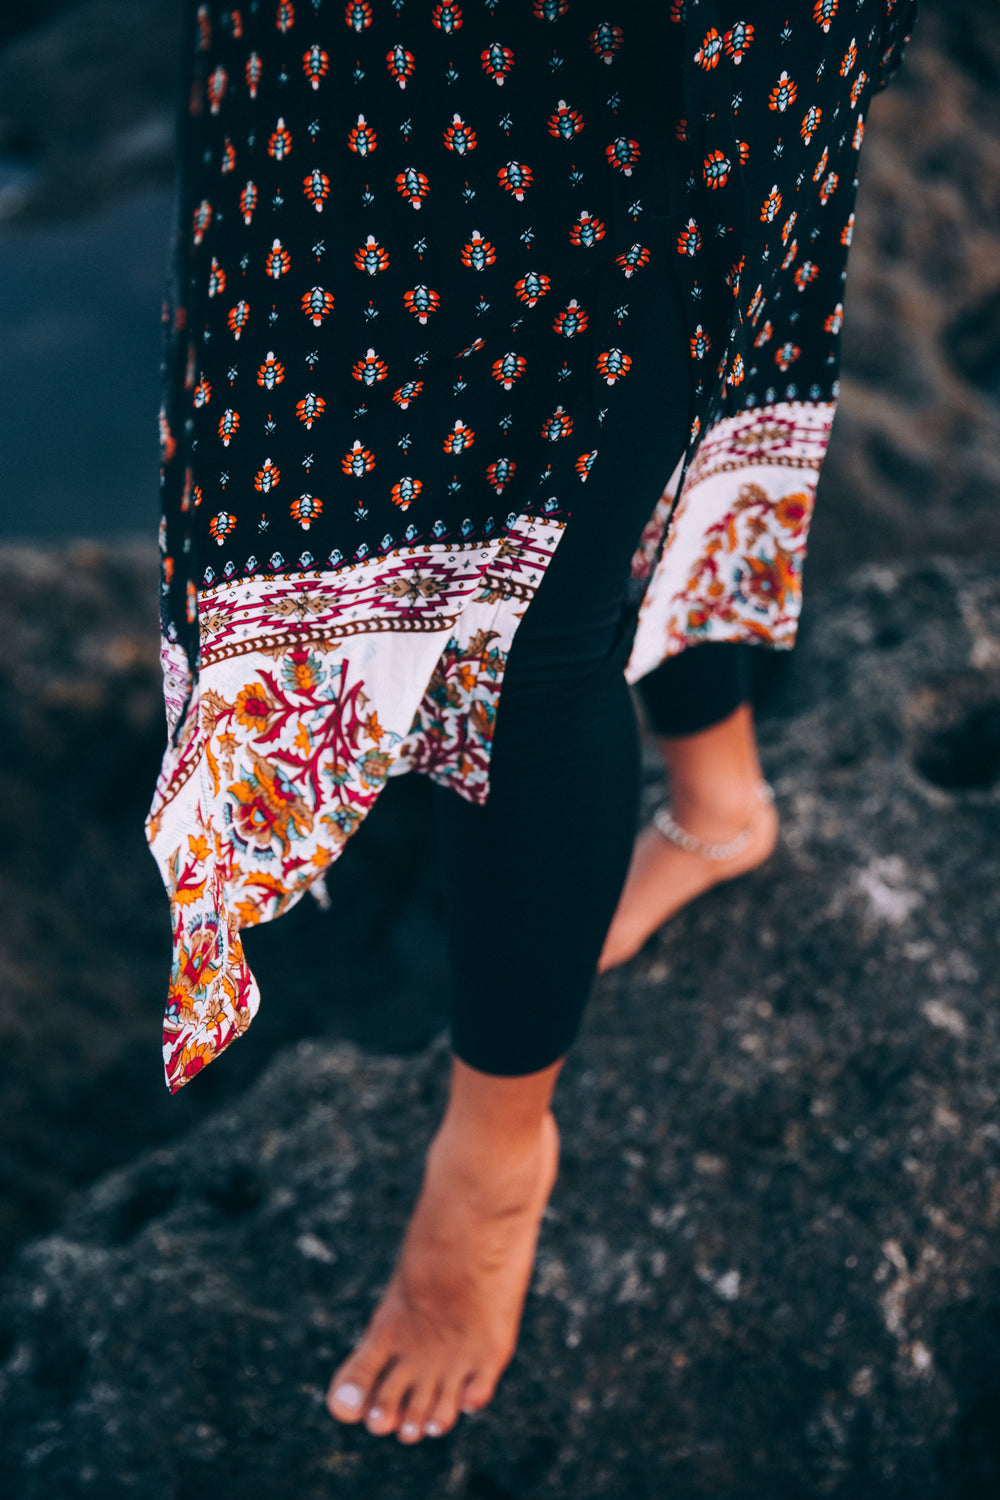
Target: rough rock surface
914, 464
83, 967
769, 1269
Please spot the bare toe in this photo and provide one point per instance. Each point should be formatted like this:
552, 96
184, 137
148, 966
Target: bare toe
447, 1323
444, 1411
411, 1428
389, 1398
351, 1388
417, 1413
479, 1392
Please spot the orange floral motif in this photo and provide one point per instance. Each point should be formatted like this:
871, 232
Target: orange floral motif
221, 525
278, 261
605, 40
316, 188
358, 460
202, 220
810, 121
587, 230
421, 301
459, 438
237, 318
279, 142
565, 122
824, 12
267, 808
194, 1057
689, 240
514, 178
458, 137
309, 408
253, 71
248, 201
358, 15
793, 511
271, 372
783, 94
266, 477
477, 252
315, 63
317, 304
198, 964
362, 138
715, 169
400, 64
772, 205
370, 369
707, 55
254, 708
413, 185
497, 61
371, 256
447, 16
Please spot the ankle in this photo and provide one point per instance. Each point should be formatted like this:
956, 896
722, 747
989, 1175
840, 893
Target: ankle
719, 811
483, 1154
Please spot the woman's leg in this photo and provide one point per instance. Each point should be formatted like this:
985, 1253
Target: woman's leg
532, 878
535, 873
446, 1326
697, 688
699, 711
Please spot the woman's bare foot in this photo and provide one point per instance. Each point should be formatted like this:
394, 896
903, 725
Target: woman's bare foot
447, 1325
663, 878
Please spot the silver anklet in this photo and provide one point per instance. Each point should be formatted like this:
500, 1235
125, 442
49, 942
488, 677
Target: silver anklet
666, 823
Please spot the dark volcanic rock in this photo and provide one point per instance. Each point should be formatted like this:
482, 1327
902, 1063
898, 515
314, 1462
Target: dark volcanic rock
769, 1270
84, 956
914, 464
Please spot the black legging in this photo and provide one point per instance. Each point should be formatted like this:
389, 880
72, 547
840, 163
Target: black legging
540, 866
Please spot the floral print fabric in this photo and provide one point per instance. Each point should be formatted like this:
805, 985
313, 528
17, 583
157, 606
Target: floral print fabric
413, 239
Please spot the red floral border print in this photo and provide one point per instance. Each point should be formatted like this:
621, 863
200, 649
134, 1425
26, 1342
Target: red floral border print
732, 561
299, 717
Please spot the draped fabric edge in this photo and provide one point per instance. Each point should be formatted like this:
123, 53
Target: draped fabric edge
299, 715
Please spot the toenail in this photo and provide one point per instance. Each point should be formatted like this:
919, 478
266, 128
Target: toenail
349, 1395
433, 1429
409, 1430
376, 1414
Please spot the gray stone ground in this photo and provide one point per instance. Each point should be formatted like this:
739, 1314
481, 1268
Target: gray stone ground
770, 1266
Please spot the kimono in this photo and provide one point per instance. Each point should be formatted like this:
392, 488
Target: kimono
412, 238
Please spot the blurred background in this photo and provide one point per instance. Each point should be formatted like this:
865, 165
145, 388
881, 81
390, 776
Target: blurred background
909, 495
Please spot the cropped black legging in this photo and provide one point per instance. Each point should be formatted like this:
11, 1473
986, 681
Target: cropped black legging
538, 869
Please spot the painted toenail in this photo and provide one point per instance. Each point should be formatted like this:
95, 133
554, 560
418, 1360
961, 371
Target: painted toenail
376, 1414
409, 1430
433, 1429
349, 1395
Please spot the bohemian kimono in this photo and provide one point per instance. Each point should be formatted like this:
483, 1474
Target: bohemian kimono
412, 240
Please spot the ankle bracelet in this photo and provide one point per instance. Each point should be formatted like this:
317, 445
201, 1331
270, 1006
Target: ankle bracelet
667, 825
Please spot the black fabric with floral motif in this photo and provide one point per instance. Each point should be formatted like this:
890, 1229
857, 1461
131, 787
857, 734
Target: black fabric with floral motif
414, 237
